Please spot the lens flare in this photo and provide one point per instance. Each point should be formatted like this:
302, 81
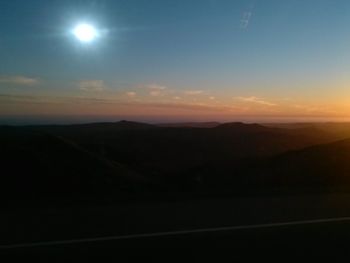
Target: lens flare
85, 32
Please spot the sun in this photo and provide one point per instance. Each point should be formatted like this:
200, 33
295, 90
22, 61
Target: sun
85, 32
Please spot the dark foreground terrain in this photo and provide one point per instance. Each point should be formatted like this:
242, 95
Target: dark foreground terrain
136, 191
314, 242
202, 230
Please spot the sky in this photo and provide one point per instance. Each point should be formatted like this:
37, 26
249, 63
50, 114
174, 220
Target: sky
184, 60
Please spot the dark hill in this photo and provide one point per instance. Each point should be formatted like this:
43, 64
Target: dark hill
315, 169
325, 165
122, 125
190, 125
97, 127
243, 127
78, 160
183, 152
37, 165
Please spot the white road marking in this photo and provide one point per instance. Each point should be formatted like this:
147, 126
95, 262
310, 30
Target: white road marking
174, 233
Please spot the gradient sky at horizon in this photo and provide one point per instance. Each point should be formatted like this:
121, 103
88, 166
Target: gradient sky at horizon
183, 60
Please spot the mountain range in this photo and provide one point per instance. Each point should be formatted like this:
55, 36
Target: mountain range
125, 157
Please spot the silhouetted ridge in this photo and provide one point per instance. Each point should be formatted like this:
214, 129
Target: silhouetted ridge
242, 127
134, 125
190, 125
118, 125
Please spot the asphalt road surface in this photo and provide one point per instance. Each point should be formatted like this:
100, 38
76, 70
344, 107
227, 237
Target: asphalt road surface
198, 230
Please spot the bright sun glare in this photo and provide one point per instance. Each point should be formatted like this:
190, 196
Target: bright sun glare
85, 32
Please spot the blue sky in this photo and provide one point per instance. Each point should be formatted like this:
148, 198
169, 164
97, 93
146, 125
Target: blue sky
267, 49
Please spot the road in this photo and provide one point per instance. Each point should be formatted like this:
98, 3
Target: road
235, 227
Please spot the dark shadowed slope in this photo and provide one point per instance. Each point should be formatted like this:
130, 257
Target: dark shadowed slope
121, 125
97, 159
316, 168
183, 153
337, 130
93, 128
37, 165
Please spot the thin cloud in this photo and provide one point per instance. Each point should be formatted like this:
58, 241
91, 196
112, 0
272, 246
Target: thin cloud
155, 90
51, 100
25, 99
314, 109
256, 100
183, 106
193, 92
245, 20
92, 85
247, 16
131, 94
19, 80
16, 98
156, 87
155, 93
